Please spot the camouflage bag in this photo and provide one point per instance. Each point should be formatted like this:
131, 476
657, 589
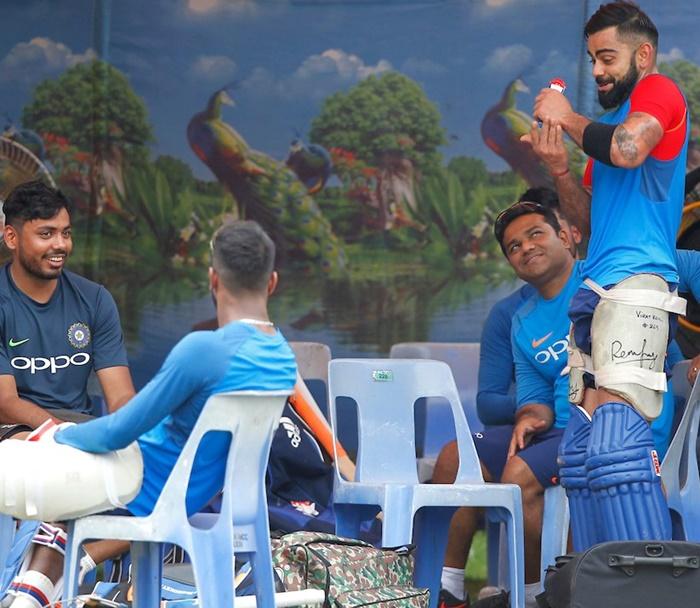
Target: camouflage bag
351, 572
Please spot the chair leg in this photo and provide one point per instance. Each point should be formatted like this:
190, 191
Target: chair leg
71, 564
432, 525
493, 549
213, 571
147, 562
516, 557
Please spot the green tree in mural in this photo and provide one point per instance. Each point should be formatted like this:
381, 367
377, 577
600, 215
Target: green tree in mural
94, 109
386, 122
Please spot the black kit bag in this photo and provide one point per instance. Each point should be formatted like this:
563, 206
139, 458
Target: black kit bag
625, 574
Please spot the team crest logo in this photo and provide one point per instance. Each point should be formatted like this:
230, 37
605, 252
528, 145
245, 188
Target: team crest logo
79, 335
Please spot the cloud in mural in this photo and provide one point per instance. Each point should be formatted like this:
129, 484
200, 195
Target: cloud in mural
233, 8
511, 59
213, 68
415, 66
673, 55
29, 62
316, 77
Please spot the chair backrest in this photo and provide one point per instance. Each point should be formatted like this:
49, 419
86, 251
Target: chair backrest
680, 466
251, 417
312, 360
432, 432
385, 391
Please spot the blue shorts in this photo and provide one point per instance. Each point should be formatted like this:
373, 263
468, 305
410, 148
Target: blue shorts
540, 454
581, 314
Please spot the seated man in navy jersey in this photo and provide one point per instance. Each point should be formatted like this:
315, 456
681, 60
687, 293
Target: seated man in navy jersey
56, 327
139, 444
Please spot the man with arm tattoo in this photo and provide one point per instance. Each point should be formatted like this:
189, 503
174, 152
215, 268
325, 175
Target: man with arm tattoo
623, 315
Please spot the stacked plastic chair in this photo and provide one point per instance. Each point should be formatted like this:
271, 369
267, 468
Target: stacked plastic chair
385, 391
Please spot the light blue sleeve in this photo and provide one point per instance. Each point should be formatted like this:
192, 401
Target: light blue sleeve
531, 386
689, 272
193, 364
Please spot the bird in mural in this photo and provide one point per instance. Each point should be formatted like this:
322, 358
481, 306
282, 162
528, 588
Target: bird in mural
311, 163
501, 129
265, 190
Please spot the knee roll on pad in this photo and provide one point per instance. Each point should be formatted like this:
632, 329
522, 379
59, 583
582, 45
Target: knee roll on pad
573, 477
629, 336
624, 476
48, 481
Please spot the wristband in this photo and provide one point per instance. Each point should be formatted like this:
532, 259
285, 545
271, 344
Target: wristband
597, 140
561, 174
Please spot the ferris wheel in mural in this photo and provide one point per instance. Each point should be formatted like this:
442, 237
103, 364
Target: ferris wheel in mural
18, 163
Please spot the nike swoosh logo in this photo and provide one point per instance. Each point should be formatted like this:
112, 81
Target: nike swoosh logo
14, 342
536, 343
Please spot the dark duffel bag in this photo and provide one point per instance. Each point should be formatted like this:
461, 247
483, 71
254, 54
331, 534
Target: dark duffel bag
625, 574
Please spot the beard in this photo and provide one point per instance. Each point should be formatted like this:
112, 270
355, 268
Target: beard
620, 90
33, 268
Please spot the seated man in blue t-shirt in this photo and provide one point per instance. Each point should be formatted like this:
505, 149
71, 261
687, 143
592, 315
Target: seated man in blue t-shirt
56, 327
495, 399
148, 433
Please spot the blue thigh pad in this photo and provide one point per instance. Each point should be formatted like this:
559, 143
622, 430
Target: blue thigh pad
573, 476
624, 476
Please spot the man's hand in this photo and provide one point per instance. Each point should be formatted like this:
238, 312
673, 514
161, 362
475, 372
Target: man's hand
548, 144
552, 105
693, 369
530, 420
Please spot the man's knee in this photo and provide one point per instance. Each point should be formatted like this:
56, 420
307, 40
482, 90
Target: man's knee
447, 464
518, 472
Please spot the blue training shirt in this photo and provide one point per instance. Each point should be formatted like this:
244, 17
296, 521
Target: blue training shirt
51, 348
495, 401
635, 213
161, 416
540, 337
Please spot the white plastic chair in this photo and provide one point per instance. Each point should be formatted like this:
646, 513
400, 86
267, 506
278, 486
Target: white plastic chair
385, 391
251, 417
312, 360
679, 471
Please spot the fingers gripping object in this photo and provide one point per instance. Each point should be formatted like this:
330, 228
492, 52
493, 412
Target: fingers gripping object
49, 481
629, 336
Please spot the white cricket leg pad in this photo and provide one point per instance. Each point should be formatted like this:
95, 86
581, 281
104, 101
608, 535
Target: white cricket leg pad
52, 537
629, 337
577, 365
49, 481
33, 590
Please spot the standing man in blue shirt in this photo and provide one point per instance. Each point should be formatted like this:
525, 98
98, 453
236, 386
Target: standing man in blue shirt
623, 315
56, 327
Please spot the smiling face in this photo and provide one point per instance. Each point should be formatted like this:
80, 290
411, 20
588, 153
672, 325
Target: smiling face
40, 247
615, 65
534, 249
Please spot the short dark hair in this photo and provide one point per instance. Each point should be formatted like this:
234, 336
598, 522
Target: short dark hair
630, 21
243, 255
517, 210
34, 200
543, 195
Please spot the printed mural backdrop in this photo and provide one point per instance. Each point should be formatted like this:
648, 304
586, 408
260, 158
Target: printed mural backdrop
375, 140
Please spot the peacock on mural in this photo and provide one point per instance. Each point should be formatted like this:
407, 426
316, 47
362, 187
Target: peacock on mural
266, 190
311, 163
501, 129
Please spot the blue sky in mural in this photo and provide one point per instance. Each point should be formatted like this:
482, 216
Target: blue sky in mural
286, 57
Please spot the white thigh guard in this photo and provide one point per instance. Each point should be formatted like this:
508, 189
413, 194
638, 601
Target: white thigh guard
49, 481
629, 336
578, 364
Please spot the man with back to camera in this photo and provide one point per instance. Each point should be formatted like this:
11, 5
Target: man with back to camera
246, 353
622, 316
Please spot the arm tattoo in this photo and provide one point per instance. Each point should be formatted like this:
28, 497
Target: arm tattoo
626, 144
